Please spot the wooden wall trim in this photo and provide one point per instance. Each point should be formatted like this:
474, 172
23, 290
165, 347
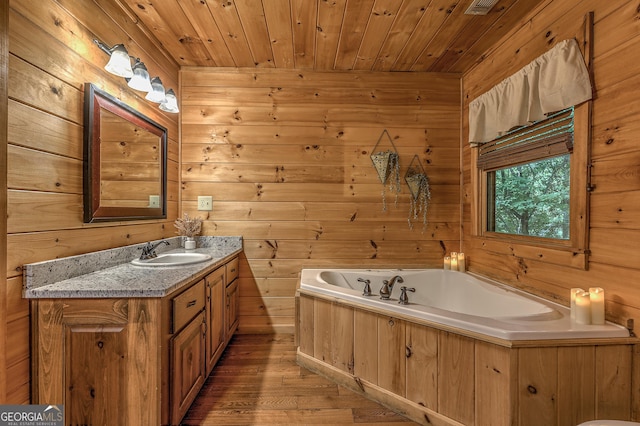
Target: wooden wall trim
4, 74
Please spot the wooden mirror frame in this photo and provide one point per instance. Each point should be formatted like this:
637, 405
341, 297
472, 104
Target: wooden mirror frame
96, 100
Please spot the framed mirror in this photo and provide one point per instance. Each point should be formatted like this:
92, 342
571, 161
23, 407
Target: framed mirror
125, 161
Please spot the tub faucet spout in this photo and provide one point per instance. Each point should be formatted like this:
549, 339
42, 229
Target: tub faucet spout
387, 286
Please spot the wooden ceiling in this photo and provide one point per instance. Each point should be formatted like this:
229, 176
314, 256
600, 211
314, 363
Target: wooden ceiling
377, 35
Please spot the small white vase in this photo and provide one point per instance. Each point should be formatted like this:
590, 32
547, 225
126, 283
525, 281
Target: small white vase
189, 243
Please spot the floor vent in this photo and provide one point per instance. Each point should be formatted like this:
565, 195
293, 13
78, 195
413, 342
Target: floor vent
480, 7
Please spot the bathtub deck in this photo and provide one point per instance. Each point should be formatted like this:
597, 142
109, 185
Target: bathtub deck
257, 382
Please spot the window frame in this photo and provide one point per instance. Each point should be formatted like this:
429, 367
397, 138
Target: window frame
573, 251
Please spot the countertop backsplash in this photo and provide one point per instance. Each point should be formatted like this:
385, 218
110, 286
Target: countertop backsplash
56, 270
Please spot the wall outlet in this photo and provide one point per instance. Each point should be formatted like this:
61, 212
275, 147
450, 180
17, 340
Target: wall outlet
205, 202
154, 201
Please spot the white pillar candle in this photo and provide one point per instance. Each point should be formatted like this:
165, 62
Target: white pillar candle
583, 308
454, 263
447, 262
596, 296
574, 291
462, 264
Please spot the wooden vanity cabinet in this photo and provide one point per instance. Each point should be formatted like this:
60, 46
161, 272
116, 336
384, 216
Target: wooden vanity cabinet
131, 361
215, 304
188, 366
232, 299
99, 358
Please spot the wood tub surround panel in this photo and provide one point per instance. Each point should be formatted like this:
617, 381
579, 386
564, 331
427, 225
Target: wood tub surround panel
452, 379
131, 361
392, 373
422, 365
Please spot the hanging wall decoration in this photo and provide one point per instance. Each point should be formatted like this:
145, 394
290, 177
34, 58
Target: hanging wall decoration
418, 184
387, 164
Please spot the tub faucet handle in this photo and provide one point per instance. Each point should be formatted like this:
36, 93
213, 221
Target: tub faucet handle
367, 286
404, 299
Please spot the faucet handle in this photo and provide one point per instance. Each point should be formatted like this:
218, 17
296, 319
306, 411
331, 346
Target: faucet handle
367, 286
146, 249
404, 299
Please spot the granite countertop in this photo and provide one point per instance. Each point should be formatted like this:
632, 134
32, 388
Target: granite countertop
110, 274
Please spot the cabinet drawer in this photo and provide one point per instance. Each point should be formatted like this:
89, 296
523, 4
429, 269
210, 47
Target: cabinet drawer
232, 270
187, 305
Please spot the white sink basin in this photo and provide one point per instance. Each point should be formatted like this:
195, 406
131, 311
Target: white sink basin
173, 259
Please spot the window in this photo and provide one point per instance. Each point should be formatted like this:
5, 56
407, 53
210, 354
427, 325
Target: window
528, 178
530, 199
531, 183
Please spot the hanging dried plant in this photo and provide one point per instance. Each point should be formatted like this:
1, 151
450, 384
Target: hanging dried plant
388, 165
420, 196
188, 227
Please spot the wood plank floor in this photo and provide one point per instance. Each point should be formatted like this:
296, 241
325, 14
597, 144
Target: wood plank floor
257, 382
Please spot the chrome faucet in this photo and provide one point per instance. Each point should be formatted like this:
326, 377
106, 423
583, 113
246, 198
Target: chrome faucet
367, 286
404, 299
149, 250
387, 286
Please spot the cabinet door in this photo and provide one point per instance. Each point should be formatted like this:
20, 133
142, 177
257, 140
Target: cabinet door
232, 309
87, 354
215, 303
391, 355
187, 366
422, 365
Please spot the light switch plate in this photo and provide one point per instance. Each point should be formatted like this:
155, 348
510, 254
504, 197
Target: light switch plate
154, 201
205, 202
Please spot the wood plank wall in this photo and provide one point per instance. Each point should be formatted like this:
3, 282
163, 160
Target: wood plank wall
285, 155
615, 230
51, 56
4, 86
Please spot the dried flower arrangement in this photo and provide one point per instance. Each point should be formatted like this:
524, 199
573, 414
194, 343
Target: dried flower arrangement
420, 195
387, 164
418, 184
188, 227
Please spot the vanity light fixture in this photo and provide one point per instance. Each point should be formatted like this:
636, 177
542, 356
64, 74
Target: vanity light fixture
171, 102
119, 64
140, 80
138, 76
157, 91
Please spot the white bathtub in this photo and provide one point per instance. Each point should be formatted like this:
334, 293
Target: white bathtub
461, 300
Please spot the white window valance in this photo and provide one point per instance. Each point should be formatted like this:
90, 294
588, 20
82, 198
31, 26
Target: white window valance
554, 81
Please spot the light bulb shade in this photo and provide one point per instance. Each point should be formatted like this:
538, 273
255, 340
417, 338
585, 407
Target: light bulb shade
171, 102
140, 80
119, 64
157, 91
